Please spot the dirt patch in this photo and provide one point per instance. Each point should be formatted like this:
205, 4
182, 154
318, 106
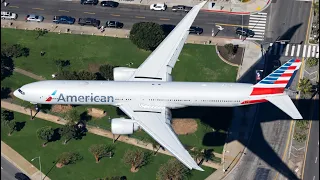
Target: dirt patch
59, 165
234, 59
97, 113
184, 126
93, 67
134, 170
61, 108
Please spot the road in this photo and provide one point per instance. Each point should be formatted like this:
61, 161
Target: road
128, 14
285, 14
8, 170
311, 168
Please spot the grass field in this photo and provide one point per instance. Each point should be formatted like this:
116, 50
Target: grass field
26, 143
197, 63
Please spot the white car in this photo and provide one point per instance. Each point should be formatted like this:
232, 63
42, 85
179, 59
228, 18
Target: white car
34, 18
8, 15
158, 7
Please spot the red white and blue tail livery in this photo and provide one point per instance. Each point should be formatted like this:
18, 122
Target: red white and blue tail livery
272, 87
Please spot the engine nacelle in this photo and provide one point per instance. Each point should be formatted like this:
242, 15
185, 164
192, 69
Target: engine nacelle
122, 73
123, 126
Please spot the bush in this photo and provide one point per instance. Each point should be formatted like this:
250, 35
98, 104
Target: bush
85, 75
15, 50
312, 61
300, 136
302, 124
146, 35
7, 66
67, 75
69, 158
231, 48
106, 71
62, 64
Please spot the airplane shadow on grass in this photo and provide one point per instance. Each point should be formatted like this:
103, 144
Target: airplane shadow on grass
219, 118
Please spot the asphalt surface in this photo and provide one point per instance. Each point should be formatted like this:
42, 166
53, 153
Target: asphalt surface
127, 14
311, 169
8, 170
286, 14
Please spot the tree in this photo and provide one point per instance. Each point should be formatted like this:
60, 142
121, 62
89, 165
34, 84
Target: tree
5, 92
146, 35
101, 150
173, 170
197, 154
136, 158
106, 71
85, 75
155, 145
68, 132
41, 32
11, 125
72, 116
305, 86
67, 75
312, 61
7, 66
61, 64
231, 48
15, 50
6, 116
45, 133
208, 154
68, 158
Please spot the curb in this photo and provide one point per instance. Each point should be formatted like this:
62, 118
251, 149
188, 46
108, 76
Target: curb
12, 162
224, 60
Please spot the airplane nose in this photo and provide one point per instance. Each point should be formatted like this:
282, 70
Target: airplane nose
15, 93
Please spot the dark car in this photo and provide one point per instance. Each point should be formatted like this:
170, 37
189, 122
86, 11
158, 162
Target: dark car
63, 20
89, 21
91, 2
244, 32
195, 30
21, 176
114, 24
109, 4
181, 8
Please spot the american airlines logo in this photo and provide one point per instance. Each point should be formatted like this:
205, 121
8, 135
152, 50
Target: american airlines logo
75, 98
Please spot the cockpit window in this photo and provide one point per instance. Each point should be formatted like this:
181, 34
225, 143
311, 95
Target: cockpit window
20, 91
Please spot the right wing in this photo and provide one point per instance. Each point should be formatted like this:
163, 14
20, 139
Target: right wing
161, 61
156, 122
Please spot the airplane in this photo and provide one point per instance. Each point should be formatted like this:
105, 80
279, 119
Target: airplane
148, 93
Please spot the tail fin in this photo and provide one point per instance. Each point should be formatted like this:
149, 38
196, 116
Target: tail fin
284, 103
278, 80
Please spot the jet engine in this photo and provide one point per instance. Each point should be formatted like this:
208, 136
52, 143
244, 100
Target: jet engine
122, 73
123, 126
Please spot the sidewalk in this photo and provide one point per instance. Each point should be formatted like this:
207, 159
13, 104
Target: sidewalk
221, 6
92, 129
120, 33
17, 160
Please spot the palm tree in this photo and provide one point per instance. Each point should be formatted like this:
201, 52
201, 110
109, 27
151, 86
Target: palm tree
208, 154
305, 86
197, 155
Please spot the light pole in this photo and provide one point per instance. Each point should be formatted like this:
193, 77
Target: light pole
39, 164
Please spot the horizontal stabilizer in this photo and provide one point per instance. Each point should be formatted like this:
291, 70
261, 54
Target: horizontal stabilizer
284, 103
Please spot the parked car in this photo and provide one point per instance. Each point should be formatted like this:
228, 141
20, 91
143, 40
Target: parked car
90, 2
181, 8
34, 18
244, 32
21, 176
8, 15
158, 7
109, 4
195, 30
114, 24
89, 21
63, 20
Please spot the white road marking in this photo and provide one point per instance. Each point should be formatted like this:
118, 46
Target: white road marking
260, 33
317, 56
262, 13
298, 50
264, 19
309, 51
256, 27
258, 21
256, 24
316, 160
261, 16
292, 50
313, 51
1, 168
270, 44
287, 50
258, 39
304, 51
313, 177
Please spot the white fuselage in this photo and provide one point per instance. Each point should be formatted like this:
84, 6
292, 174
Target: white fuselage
168, 94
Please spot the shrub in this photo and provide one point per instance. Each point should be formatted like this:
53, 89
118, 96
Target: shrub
69, 158
146, 35
312, 61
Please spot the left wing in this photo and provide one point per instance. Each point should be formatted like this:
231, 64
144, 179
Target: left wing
157, 123
158, 66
